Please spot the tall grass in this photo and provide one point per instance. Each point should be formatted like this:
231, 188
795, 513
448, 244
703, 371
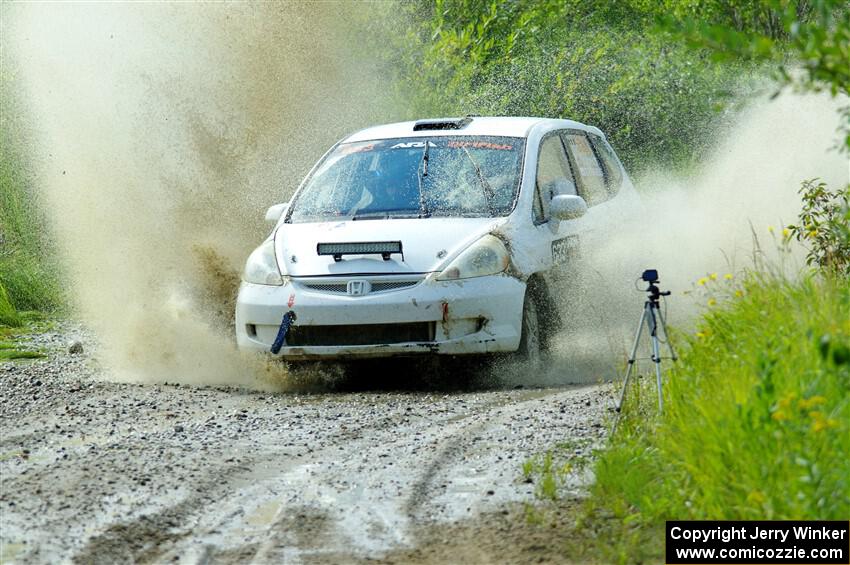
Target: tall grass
8, 314
756, 422
27, 267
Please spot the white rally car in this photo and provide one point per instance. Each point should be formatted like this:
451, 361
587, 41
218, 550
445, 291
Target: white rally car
444, 236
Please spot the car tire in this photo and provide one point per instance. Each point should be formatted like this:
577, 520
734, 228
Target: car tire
530, 351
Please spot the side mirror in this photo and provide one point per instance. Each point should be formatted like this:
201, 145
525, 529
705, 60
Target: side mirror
567, 207
274, 213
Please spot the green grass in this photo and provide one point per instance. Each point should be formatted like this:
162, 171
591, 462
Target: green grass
11, 354
10, 351
756, 422
8, 313
550, 471
28, 273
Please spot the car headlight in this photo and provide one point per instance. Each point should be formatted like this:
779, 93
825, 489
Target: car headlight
261, 267
487, 256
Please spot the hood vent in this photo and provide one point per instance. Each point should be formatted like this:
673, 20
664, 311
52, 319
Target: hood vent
442, 123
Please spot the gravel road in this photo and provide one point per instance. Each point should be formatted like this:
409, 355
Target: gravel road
100, 472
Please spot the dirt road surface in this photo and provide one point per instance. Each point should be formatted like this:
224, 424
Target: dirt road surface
100, 472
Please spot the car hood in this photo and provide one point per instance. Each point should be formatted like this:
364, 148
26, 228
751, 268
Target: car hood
428, 244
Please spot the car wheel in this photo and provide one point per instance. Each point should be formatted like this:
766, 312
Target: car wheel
530, 349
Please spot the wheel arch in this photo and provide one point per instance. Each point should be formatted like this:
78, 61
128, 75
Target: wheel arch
540, 290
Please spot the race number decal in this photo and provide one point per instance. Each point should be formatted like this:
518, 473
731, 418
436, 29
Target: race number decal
564, 249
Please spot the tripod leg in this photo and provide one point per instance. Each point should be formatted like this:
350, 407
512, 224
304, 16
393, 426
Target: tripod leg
657, 355
667, 336
632, 359
656, 358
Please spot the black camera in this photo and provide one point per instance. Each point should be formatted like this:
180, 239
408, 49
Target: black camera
650, 276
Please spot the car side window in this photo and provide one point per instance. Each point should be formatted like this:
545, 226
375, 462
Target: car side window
591, 175
554, 176
613, 170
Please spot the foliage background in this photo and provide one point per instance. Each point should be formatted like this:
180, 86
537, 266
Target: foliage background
604, 63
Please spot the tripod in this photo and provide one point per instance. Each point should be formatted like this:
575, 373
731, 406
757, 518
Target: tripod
650, 316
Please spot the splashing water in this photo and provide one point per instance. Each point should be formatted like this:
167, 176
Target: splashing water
693, 226
166, 130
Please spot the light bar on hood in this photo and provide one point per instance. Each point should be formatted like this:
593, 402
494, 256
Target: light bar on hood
382, 248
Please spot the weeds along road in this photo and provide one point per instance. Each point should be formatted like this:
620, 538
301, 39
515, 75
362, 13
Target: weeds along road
94, 471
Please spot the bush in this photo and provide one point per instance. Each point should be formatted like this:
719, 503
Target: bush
824, 226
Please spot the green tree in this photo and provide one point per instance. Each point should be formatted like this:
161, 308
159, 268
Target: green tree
806, 41
602, 63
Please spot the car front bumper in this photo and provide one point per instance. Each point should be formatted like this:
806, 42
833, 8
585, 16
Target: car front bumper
469, 316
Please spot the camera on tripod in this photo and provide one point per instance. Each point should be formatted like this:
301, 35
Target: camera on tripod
653, 319
650, 276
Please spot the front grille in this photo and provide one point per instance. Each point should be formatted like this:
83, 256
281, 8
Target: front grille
363, 334
391, 285
337, 288
342, 287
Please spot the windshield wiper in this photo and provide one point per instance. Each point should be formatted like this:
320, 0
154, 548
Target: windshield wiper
489, 195
423, 205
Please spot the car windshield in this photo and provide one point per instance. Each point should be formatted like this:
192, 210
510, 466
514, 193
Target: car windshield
416, 177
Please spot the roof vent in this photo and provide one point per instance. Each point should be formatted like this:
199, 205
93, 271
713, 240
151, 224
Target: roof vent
442, 123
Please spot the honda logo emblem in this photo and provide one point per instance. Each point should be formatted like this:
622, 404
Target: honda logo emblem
358, 288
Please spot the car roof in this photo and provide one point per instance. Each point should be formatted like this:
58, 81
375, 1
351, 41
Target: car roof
490, 125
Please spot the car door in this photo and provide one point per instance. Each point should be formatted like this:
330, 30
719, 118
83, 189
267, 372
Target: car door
596, 182
554, 177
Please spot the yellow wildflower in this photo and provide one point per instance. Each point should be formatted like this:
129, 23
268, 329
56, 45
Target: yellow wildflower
786, 233
770, 229
713, 276
739, 293
822, 423
807, 403
702, 281
711, 302
728, 276
786, 401
779, 415
700, 335
813, 233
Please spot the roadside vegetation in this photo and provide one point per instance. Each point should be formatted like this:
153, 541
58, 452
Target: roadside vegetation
758, 408
28, 280
756, 421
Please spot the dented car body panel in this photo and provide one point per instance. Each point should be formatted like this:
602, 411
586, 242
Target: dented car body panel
439, 260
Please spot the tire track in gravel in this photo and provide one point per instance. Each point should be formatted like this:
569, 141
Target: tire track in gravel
95, 471
330, 524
